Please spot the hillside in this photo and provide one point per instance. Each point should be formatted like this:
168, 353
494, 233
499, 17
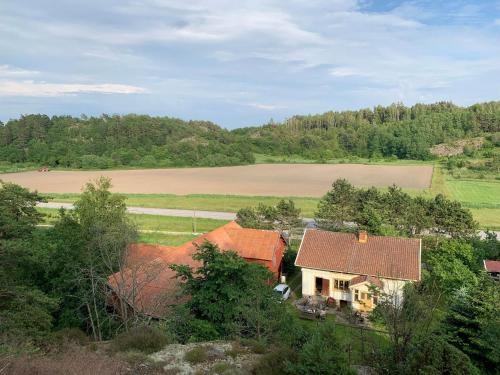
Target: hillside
396, 132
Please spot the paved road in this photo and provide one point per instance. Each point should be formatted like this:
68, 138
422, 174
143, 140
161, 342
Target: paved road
187, 213
157, 211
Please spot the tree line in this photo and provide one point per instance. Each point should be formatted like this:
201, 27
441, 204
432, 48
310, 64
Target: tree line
395, 131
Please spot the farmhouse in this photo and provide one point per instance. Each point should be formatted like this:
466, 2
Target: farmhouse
492, 267
148, 285
351, 268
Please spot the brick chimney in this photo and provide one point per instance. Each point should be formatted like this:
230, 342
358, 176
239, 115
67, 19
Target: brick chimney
362, 236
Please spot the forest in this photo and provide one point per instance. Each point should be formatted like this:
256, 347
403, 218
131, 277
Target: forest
395, 131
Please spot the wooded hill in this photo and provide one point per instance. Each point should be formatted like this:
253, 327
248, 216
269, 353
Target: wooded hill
143, 141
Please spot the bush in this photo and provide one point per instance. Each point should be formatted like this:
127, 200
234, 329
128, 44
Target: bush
196, 355
74, 361
274, 362
256, 346
70, 335
224, 368
236, 350
144, 339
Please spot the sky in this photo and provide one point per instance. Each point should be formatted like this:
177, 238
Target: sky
242, 63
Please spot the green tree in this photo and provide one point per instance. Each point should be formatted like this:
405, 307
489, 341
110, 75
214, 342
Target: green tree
337, 206
222, 288
472, 323
93, 244
321, 354
283, 217
450, 265
450, 218
25, 311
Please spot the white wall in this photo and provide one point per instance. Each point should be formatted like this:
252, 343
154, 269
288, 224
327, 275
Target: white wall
309, 284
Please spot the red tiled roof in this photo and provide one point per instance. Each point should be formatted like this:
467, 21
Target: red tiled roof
492, 265
364, 278
150, 286
389, 257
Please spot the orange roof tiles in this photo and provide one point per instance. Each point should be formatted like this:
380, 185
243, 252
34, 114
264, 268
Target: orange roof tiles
364, 278
150, 286
492, 265
388, 257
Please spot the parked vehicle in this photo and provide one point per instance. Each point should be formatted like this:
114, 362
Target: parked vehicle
283, 290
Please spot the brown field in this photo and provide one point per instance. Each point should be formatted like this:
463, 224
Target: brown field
262, 179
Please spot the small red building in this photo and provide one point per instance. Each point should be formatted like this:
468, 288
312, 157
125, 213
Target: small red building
149, 286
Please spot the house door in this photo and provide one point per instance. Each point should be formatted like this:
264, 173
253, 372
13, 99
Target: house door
322, 286
326, 287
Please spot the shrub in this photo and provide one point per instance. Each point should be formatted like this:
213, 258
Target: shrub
144, 339
256, 346
222, 368
274, 362
196, 355
236, 349
74, 361
70, 335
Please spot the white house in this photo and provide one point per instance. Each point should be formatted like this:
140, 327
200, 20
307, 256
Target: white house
350, 268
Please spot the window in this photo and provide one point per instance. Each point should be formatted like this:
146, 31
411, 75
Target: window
341, 284
356, 295
364, 296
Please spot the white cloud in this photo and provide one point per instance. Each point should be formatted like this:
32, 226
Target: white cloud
346, 72
40, 89
9, 71
265, 107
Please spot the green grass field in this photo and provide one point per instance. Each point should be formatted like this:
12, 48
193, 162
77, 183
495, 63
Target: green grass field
475, 193
206, 202
165, 239
154, 229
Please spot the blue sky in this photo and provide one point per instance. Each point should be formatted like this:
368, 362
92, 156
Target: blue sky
241, 63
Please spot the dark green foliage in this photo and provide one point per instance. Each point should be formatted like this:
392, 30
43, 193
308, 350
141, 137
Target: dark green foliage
428, 355
88, 245
18, 215
187, 328
196, 355
450, 265
283, 217
103, 142
115, 141
472, 323
393, 131
25, 310
231, 293
321, 354
145, 339
275, 361
392, 212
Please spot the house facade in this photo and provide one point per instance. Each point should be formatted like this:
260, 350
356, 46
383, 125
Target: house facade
354, 269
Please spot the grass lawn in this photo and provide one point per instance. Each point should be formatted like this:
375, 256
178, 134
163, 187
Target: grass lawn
206, 202
488, 218
475, 193
157, 223
165, 239
356, 341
